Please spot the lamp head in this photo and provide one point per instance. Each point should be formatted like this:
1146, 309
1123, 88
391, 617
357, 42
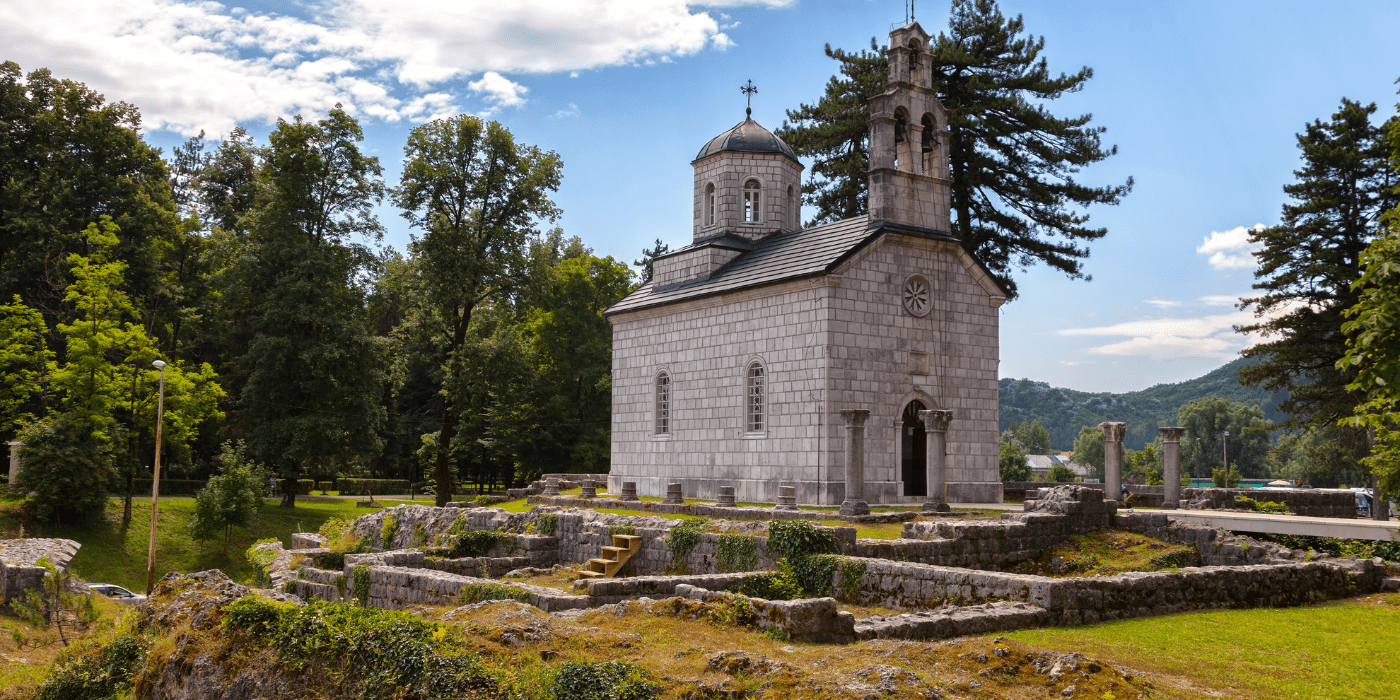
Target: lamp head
158, 364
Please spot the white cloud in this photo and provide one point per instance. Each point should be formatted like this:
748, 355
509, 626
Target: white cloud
499, 90
1161, 303
192, 64
1211, 335
1231, 249
571, 111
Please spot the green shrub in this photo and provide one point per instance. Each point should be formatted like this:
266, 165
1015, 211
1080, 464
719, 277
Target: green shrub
1247, 503
815, 573
396, 654
388, 528
797, 539
1173, 560
100, 676
475, 544
359, 582
356, 487
304, 487
66, 468
611, 680
171, 487
621, 530
324, 486
261, 558
852, 572
682, 540
775, 585
546, 523
479, 592
736, 552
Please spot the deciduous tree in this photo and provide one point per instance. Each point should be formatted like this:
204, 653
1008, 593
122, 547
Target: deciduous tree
232, 498
476, 195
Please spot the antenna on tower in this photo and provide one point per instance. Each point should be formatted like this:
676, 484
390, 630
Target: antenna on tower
748, 91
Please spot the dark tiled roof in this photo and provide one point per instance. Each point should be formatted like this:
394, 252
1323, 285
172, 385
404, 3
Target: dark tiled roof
747, 137
777, 258
724, 240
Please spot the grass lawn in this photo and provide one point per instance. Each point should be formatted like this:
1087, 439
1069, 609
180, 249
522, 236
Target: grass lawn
113, 553
1342, 650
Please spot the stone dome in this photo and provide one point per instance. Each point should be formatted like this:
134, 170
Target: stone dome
747, 137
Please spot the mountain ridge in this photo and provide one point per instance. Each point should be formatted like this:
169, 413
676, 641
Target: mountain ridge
1064, 411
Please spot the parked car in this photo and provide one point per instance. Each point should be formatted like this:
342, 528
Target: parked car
117, 592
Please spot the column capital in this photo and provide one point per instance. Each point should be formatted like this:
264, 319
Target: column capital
937, 420
855, 417
1113, 431
1171, 434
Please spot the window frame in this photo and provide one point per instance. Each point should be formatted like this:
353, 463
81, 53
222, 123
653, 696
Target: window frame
663, 423
709, 203
755, 377
752, 207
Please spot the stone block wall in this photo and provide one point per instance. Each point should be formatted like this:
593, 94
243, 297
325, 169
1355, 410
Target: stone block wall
19, 558
1309, 502
1070, 601
811, 620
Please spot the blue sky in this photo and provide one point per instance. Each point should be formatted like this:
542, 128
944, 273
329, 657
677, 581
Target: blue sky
1203, 100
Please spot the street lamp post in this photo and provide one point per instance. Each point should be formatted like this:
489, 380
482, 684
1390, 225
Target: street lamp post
155, 481
1225, 458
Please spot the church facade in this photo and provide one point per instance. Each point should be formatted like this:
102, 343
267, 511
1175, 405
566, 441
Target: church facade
732, 366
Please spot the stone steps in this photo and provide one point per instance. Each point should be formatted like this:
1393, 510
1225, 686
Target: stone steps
607, 566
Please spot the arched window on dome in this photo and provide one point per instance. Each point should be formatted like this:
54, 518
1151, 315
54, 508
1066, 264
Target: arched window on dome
753, 213
754, 404
663, 404
710, 204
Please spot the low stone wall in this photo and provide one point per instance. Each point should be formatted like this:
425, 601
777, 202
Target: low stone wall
19, 558
566, 481
1309, 502
1143, 495
952, 621
481, 567
1070, 601
804, 620
392, 587
705, 510
613, 590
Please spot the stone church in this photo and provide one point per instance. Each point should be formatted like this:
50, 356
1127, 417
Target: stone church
733, 365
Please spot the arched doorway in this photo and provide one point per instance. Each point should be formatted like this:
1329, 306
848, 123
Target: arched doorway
913, 451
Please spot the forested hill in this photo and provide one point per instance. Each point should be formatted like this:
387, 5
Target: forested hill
1064, 411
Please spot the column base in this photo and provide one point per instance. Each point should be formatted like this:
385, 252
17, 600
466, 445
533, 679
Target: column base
855, 508
935, 507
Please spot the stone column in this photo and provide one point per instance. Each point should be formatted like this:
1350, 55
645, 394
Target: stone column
14, 460
1113, 460
1171, 466
726, 497
589, 489
673, 494
855, 462
551, 487
936, 459
787, 498
629, 491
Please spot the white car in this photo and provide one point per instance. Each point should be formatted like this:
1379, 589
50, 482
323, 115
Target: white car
117, 593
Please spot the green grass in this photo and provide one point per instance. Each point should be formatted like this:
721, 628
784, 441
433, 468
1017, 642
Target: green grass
113, 553
1342, 650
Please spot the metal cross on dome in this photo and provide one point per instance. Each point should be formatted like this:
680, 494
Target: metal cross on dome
748, 91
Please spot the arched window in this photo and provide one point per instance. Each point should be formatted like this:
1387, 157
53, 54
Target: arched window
927, 146
752, 211
794, 211
710, 204
755, 404
663, 404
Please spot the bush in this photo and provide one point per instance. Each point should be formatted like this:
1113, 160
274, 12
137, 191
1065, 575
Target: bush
777, 585
546, 523
356, 487
172, 487
1247, 503
100, 676
66, 468
232, 499
796, 539
476, 543
736, 552
682, 539
305, 486
480, 592
1061, 474
324, 486
612, 680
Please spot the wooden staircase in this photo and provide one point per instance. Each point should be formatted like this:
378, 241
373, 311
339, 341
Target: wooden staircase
624, 546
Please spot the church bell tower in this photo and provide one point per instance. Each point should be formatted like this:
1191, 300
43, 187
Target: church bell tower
909, 178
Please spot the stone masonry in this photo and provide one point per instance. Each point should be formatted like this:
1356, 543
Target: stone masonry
19, 569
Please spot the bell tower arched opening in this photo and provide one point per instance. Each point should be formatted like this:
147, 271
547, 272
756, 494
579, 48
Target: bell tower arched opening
913, 451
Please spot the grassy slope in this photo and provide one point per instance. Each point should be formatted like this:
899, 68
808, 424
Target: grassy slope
1342, 650
112, 553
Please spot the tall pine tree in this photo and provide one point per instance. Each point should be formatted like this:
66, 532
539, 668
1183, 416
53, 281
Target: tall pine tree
1311, 259
1016, 199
